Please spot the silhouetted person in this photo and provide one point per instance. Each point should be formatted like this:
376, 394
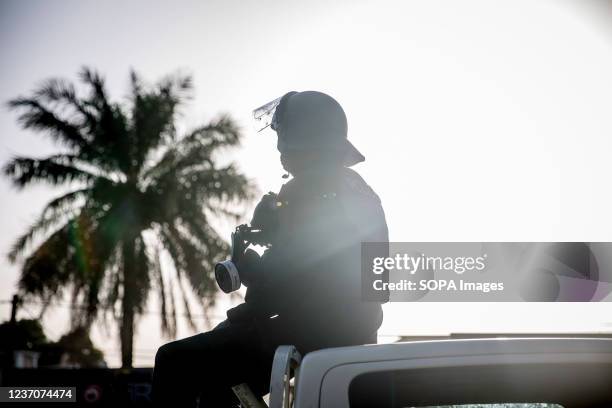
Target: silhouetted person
306, 288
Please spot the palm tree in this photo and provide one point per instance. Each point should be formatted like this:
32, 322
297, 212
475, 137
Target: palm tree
135, 188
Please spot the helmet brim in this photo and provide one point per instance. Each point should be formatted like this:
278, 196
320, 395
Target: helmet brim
352, 156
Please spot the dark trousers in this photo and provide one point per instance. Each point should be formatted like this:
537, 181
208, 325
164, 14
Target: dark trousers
204, 367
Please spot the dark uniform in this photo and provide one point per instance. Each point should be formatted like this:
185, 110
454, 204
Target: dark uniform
310, 277
305, 291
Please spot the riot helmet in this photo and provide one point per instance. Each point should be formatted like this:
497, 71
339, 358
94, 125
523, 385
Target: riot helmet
310, 121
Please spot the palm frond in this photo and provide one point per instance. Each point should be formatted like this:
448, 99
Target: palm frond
56, 170
192, 259
97, 96
168, 324
110, 142
196, 148
59, 91
36, 116
186, 306
153, 114
55, 212
226, 183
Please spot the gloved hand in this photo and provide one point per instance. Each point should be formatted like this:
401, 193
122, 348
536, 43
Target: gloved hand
248, 265
240, 314
265, 214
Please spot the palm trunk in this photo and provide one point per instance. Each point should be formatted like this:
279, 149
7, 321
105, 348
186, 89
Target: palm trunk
127, 305
127, 337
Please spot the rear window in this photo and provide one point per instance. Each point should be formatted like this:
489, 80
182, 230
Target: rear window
513, 405
509, 386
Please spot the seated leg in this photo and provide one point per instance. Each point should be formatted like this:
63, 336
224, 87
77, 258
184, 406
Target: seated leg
206, 365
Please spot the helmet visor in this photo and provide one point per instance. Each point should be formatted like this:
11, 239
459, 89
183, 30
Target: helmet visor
264, 115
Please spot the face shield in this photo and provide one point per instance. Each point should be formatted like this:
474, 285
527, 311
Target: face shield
264, 115
268, 115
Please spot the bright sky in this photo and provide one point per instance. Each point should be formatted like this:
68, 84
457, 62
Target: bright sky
480, 120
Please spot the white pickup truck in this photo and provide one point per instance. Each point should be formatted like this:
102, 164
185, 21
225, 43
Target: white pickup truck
475, 373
